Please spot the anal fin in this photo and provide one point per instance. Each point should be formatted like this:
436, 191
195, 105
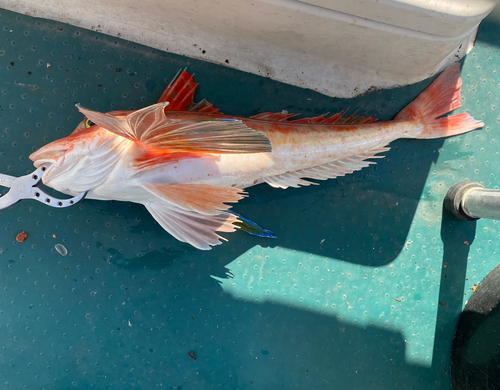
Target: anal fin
326, 171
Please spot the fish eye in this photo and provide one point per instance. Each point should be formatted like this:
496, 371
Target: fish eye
88, 123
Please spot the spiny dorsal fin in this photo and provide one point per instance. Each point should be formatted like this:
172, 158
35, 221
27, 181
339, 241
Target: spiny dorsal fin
151, 127
180, 94
203, 106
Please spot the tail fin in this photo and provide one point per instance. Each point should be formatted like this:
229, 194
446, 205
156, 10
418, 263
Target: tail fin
441, 97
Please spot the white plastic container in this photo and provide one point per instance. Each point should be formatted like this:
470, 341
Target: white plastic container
337, 47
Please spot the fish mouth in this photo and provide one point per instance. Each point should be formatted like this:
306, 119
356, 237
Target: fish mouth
41, 157
52, 160
39, 163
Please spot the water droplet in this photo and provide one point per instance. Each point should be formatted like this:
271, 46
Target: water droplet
61, 249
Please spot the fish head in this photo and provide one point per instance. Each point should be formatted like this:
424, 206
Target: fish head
81, 161
53, 153
78, 162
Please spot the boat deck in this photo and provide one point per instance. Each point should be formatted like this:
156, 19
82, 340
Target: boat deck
361, 289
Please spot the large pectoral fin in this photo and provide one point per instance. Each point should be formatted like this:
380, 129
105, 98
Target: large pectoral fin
191, 227
192, 213
151, 127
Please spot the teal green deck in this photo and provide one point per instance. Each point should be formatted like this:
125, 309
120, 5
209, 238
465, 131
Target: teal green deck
361, 290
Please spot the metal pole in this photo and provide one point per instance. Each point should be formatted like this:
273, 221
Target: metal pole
479, 203
471, 201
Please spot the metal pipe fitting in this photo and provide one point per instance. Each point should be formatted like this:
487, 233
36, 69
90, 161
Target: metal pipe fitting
471, 201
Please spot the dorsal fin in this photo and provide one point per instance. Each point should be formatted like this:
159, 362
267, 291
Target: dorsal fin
324, 119
273, 116
180, 93
337, 119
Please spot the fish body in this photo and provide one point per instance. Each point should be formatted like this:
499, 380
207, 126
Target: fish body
186, 161
295, 148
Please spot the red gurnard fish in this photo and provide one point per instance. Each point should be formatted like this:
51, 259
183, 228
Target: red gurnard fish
184, 161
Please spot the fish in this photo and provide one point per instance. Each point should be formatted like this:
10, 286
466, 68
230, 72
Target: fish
188, 163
